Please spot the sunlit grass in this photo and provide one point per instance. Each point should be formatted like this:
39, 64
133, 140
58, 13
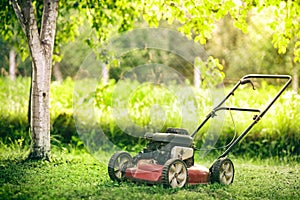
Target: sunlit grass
78, 175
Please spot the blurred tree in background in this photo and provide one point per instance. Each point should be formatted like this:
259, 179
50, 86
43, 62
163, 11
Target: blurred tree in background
252, 52
267, 22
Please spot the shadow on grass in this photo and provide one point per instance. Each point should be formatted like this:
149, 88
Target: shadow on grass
13, 174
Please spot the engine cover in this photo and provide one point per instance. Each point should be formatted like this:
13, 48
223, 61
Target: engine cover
182, 153
175, 139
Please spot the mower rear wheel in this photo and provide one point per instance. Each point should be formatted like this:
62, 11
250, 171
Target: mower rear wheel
222, 171
117, 165
174, 173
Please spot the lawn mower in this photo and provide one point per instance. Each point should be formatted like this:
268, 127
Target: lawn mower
168, 158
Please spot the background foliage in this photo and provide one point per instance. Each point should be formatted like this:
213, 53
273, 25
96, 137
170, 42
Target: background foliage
276, 135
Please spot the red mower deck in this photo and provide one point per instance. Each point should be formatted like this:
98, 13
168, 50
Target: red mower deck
152, 173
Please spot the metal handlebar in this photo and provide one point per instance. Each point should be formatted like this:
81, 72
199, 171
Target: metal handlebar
246, 79
258, 117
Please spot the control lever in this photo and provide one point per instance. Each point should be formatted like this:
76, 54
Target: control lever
247, 81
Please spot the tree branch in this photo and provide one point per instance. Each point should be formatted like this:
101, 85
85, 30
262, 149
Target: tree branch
19, 14
48, 25
25, 10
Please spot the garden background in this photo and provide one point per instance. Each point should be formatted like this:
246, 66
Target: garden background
266, 161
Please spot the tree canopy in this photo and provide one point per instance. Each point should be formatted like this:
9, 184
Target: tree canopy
196, 19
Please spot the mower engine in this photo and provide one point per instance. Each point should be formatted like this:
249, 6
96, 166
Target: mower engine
175, 143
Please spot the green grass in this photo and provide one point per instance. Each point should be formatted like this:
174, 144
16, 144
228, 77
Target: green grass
78, 175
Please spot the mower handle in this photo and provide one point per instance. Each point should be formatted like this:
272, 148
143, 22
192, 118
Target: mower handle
247, 81
268, 76
244, 80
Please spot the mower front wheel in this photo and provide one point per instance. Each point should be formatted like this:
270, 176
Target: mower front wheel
222, 171
117, 165
174, 173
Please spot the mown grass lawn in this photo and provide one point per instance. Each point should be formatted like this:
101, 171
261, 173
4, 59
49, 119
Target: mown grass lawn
81, 176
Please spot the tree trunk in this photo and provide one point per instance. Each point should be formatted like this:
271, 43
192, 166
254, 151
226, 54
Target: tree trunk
57, 73
197, 77
295, 78
197, 73
12, 64
41, 48
105, 74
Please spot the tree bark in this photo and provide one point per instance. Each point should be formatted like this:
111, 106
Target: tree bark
41, 48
